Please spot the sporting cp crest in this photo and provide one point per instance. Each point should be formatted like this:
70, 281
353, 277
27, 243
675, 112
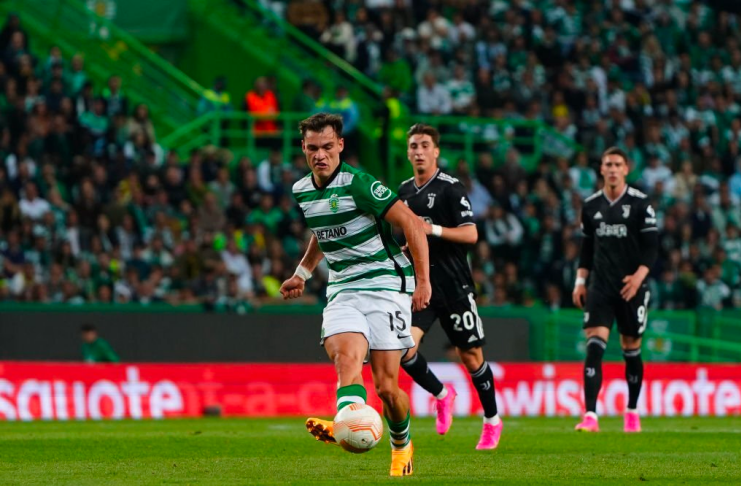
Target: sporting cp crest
334, 203
626, 210
431, 199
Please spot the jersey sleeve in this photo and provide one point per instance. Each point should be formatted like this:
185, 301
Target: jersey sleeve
647, 218
371, 196
649, 235
586, 255
459, 206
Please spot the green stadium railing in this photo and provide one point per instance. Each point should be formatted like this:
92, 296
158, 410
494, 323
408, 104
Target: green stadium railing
171, 96
464, 138
461, 139
236, 131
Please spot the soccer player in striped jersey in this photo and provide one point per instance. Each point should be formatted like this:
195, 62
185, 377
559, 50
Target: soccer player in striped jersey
372, 288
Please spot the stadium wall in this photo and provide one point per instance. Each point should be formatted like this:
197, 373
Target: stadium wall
203, 337
63, 391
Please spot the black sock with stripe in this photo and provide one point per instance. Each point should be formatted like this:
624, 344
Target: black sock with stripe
483, 380
593, 372
419, 370
633, 375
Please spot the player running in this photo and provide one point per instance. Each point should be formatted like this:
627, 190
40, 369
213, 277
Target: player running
619, 247
370, 279
442, 203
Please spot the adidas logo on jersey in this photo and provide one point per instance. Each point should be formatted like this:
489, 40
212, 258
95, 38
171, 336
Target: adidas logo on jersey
598, 215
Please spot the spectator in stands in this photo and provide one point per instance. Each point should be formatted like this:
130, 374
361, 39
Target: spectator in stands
95, 349
216, 98
31, 205
269, 171
261, 101
432, 97
306, 101
339, 37
116, 102
140, 124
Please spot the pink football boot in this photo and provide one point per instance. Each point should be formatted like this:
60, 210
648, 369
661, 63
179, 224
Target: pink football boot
589, 424
632, 422
490, 436
444, 409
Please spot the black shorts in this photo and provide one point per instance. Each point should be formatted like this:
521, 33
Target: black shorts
605, 307
460, 320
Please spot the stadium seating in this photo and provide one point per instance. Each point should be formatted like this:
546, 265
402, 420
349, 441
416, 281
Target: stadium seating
93, 209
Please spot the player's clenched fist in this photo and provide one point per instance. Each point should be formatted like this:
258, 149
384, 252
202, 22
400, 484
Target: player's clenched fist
292, 288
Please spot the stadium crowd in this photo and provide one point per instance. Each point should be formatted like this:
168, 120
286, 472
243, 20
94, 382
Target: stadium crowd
92, 209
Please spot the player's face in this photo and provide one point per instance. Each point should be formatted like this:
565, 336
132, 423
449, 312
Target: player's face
614, 169
322, 150
422, 153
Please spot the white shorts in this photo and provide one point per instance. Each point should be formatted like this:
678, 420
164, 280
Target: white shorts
384, 317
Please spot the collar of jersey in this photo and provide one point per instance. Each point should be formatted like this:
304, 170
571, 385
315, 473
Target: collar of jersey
612, 203
434, 176
331, 178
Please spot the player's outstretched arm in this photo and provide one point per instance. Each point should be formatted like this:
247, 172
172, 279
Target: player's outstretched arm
294, 286
402, 217
466, 234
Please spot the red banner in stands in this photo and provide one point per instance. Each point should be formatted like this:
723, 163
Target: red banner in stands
56, 391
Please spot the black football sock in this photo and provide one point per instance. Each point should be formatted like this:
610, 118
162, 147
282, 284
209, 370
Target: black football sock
483, 380
593, 372
420, 372
633, 375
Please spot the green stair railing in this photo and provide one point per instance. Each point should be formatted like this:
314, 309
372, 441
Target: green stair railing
171, 96
279, 39
286, 53
461, 138
236, 130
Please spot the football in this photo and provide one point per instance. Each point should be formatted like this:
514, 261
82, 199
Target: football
358, 428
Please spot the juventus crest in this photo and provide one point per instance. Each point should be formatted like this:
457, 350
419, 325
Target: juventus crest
431, 199
626, 210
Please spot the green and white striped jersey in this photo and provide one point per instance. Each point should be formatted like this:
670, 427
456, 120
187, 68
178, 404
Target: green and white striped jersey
346, 216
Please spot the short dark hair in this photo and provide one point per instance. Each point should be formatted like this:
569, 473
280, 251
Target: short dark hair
88, 327
320, 121
616, 151
422, 129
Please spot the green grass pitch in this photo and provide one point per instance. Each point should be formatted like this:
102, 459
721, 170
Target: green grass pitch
280, 451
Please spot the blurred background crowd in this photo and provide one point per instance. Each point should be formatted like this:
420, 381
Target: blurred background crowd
92, 209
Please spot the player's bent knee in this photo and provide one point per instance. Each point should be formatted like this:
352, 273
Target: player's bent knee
348, 363
601, 332
472, 358
411, 353
629, 343
387, 391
